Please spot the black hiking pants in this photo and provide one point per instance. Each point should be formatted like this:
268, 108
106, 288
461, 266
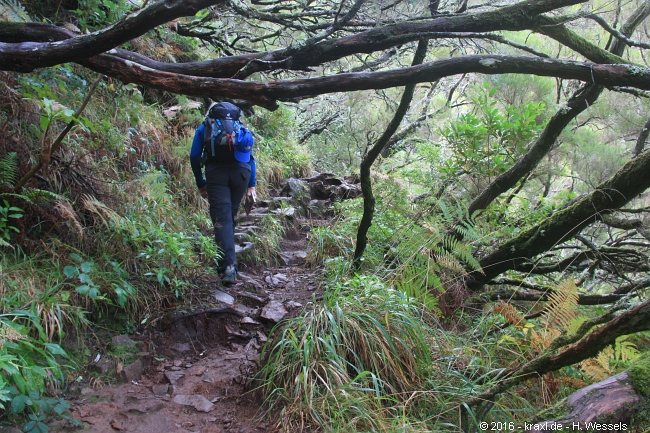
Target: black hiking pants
226, 186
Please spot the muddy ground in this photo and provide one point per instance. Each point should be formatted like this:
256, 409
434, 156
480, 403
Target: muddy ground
198, 366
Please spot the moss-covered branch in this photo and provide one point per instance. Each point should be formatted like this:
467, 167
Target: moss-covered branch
27, 56
630, 181
633, 320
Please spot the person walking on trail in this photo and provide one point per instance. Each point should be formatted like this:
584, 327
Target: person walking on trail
223, 146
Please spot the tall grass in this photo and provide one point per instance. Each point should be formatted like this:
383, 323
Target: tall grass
343, 363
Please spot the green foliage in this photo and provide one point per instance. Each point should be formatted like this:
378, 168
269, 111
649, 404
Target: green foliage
266, 246
431, 259
365, 347
30, 363
640, 375
8, 212
486, 144
8, 176
9, 169
594, 161
278, 153
82, 272
115, 278
13, 10
621, 355
96, 14
154, 246
46, 91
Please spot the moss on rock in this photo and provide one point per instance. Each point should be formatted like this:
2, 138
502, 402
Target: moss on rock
640, 375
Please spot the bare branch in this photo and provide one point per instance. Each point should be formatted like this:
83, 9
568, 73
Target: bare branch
27, 56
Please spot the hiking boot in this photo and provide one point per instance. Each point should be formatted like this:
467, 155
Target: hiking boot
229, 275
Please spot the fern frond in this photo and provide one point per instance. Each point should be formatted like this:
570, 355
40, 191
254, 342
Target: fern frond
13, 10
102, 212
9, 169
467, 231
34, 195
460, 250
594, 370
604, 364
448, 261
64, 208
562, 305
604, 357
510, 312
626, 350
418, 279
574, 324
155, 188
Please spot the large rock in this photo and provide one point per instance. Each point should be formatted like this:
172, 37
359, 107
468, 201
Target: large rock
274, 311
198, 402
293, 258
122, 341
132, 372
105, 366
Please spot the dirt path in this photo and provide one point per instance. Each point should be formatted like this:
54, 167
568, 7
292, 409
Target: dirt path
197, 370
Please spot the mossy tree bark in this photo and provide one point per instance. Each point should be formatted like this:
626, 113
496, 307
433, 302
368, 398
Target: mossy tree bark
23, 49
630, 181
567, 350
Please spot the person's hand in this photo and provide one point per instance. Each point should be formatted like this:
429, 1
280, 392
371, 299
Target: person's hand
251, 193
204, 192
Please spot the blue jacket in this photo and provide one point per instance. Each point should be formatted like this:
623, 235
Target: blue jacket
197, 152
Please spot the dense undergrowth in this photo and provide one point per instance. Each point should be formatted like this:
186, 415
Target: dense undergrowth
109, 232
112, 230
391, 350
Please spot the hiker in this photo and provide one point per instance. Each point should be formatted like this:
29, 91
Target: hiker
224, 146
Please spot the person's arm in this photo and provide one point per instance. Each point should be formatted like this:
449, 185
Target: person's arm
195, 157
253, 180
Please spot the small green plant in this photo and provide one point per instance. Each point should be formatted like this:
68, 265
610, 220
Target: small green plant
115, 277
96, 13
31, 364
82, 273
486, 144
7, 213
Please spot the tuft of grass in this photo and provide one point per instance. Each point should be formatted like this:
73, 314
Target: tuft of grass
366, 348
266, 245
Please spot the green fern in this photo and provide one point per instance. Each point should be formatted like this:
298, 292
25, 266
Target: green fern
9, 168
610, 360
36, 195
13, 10
459, 250
419, 279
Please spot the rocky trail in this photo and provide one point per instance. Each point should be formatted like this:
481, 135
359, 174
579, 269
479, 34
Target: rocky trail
192, 370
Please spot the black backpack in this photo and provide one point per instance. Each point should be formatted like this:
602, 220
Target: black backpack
221, 126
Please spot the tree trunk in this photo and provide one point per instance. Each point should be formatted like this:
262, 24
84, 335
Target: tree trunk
373, 153
631, 180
